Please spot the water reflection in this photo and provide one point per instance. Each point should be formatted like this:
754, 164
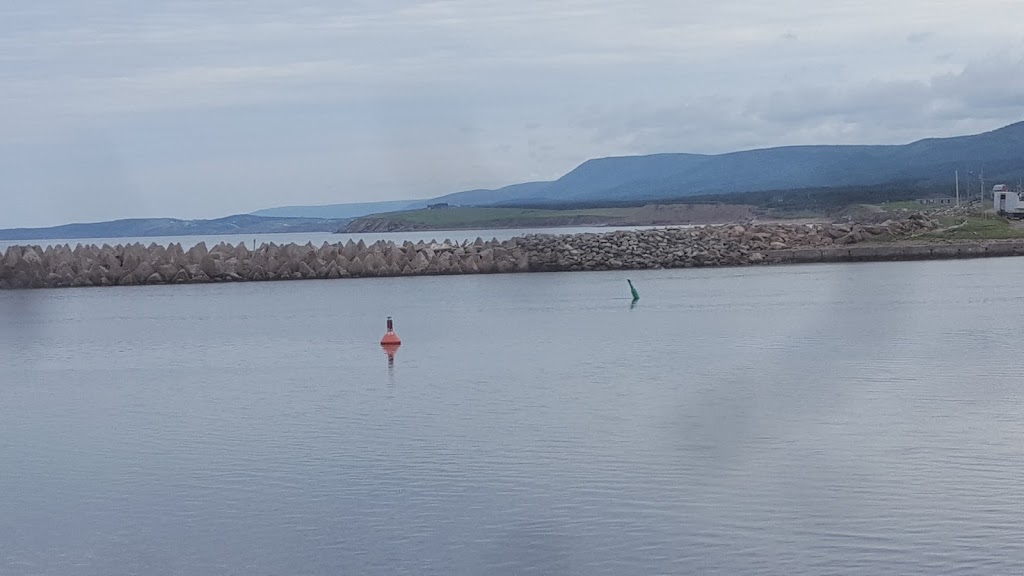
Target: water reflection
390, 350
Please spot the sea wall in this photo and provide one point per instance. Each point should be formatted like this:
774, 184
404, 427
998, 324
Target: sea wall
134, 264
735, 245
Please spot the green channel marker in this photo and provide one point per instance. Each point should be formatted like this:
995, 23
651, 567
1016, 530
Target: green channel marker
636, 295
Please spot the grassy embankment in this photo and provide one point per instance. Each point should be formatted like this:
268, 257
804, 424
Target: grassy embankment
497, 217
988, 227
457, 218
972, 226
975, 225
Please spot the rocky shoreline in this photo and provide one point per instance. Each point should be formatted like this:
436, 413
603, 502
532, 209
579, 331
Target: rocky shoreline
730, 245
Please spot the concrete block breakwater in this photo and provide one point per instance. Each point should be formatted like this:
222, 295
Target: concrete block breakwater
135, 264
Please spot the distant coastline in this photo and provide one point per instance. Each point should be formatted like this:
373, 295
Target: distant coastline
953, 234
422, 220
163, 227
475, 218
654, 190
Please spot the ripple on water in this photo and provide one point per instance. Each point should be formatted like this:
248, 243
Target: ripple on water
801, 420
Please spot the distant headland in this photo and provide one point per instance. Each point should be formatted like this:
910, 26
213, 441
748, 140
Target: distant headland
950, 233
673, 188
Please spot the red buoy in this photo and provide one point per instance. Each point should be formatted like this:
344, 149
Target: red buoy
390, 338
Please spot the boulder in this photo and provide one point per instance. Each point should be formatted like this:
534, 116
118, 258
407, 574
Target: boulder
31, 257
168, 271
211, 267
433, 267
355, 267
305, 271
12, 256
197, 253
372, 265
142, 272
419, 263
350, 251
132, 257
95, 274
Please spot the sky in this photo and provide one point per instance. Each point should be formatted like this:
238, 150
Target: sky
203, 108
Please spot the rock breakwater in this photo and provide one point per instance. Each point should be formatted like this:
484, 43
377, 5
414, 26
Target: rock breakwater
734, 245
730, 245
134, 264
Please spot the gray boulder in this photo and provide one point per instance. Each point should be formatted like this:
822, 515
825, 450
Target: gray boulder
143, 271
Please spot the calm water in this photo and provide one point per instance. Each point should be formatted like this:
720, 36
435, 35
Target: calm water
852, 419
318, 238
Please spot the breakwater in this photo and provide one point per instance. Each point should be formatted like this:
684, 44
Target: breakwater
731, 245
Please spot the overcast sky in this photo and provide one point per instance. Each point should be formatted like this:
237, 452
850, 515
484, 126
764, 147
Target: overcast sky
203, 108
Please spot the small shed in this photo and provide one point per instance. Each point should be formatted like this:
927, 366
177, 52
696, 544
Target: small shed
1006, 202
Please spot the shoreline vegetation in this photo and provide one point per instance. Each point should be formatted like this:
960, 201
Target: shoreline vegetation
815, 204
490, 218
951, 233
822, 205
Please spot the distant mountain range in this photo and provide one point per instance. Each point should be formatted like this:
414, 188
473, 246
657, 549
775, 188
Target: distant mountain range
149, 227
674, 176
658, 177
352, 210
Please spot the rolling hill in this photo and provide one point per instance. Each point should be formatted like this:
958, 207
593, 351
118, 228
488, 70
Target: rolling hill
800, 175
149, 227
662, 177
335, 211
665, 176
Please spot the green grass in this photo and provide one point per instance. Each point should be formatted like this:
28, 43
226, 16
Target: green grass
957, 228
793, 214
462, 217
976, 228
910, 205
913, 206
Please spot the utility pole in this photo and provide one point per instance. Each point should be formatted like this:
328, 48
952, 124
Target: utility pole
981, 177
958, 188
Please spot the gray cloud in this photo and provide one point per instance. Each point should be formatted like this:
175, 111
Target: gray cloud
984, 95
117, 108
919, 37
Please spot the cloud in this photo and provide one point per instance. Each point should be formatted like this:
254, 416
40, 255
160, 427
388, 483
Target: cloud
210, 107
985, 94
919, 37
